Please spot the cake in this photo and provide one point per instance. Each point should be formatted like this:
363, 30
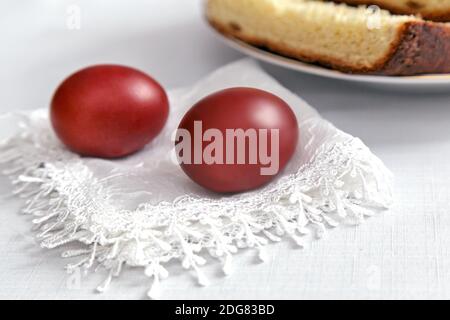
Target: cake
342, 37
437, 10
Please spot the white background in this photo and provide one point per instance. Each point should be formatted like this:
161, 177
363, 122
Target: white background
404, 253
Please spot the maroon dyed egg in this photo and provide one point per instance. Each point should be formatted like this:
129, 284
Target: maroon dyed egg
108, 111
237, 139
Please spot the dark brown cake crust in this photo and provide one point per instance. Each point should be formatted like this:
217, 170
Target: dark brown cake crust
420, 48
424, 48
414, 8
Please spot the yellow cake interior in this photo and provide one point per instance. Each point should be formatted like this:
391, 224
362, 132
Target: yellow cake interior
352, 36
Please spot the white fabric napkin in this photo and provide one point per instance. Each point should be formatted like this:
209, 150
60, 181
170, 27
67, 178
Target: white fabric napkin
144, 211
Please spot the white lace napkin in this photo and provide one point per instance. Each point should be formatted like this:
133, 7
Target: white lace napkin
144, 211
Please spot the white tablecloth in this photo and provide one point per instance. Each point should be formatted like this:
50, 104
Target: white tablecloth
404, 253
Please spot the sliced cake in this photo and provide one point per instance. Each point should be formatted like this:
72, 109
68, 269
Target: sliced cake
437, 10
338, 36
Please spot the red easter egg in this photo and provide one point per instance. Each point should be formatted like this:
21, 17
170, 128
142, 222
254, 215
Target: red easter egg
108, 111
236, 140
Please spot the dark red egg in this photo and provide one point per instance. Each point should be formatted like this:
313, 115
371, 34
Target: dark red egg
237, 139
108, 111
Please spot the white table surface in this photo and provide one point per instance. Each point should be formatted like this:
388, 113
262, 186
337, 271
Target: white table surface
404, 253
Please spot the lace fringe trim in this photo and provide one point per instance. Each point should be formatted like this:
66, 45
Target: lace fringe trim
343, 183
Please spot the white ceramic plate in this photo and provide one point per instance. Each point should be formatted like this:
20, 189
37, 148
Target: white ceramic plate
431, 80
